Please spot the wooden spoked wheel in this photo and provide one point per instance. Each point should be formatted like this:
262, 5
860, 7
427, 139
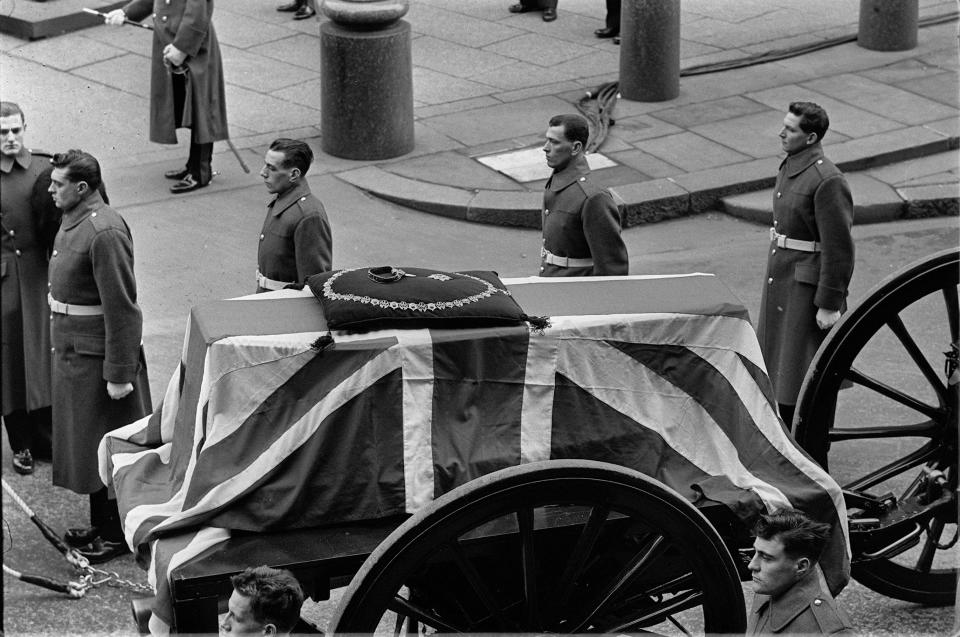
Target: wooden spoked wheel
878, 410
564, 546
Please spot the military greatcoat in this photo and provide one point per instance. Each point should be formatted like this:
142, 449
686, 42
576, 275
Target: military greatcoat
296, 241
26, 337
805, 609
188, 26
580, 220
811, 202
92, 264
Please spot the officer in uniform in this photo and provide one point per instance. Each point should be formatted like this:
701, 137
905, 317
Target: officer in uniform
187, 89
811, 256
580, 220
28, 224
99, 371
296, 241
791, 596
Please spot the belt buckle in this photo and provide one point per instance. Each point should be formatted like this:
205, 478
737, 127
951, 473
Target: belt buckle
543, 252
773, 234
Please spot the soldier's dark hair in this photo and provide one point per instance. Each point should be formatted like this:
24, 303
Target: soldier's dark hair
813, 119
80, 166
9, 109
575, 127
296, 154
275, 595
800, 535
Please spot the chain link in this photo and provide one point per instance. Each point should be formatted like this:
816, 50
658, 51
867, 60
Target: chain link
112, 578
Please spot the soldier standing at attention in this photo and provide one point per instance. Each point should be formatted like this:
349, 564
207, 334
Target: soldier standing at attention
28, 224
186, 81
810, 259
99, 371
580, 220
296, 241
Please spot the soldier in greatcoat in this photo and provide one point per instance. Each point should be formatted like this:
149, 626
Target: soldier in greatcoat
790, 594
26, 225
296, 241
811, 254
99, 370
186, 81
580, 220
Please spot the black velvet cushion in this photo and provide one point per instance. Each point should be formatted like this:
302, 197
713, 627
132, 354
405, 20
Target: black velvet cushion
386, 297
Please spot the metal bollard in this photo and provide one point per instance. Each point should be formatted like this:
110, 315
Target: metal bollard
650, 50
366, 103
888, 25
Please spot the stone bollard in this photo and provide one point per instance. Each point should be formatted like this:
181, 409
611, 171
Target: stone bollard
650, 50
366, 106
888, 25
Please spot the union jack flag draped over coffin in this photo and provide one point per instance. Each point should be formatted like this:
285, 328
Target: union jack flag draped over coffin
258, 431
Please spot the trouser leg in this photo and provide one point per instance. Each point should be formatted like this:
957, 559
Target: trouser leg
105, 515
613, 15
19, 430
199, 161
42, 432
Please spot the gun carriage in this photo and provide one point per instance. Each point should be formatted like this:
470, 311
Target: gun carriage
581, 541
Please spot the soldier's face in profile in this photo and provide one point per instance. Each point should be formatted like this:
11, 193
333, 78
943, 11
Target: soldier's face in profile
66, 194
792, 137
12, 128
275, 177
774, 572
558, 149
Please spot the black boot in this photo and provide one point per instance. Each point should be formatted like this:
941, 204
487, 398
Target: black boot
199, 170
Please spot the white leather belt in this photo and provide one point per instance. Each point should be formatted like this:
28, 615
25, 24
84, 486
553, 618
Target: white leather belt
270, 284
793, 244
74, 310
565, 262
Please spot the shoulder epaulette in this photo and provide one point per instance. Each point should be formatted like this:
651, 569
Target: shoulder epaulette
36, 152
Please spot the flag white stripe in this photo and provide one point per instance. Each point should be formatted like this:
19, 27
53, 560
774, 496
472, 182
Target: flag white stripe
418, 383
536, 413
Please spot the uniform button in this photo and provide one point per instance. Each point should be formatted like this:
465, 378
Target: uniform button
49, 285
776, 223
304, 198
773, 252
817, 602
53, 349
819, 161
583, 179
770, 280
541, 268
51, 316
17, 252
778, 195
55, 253
163, 19
261, 237
12, 233
94, 215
